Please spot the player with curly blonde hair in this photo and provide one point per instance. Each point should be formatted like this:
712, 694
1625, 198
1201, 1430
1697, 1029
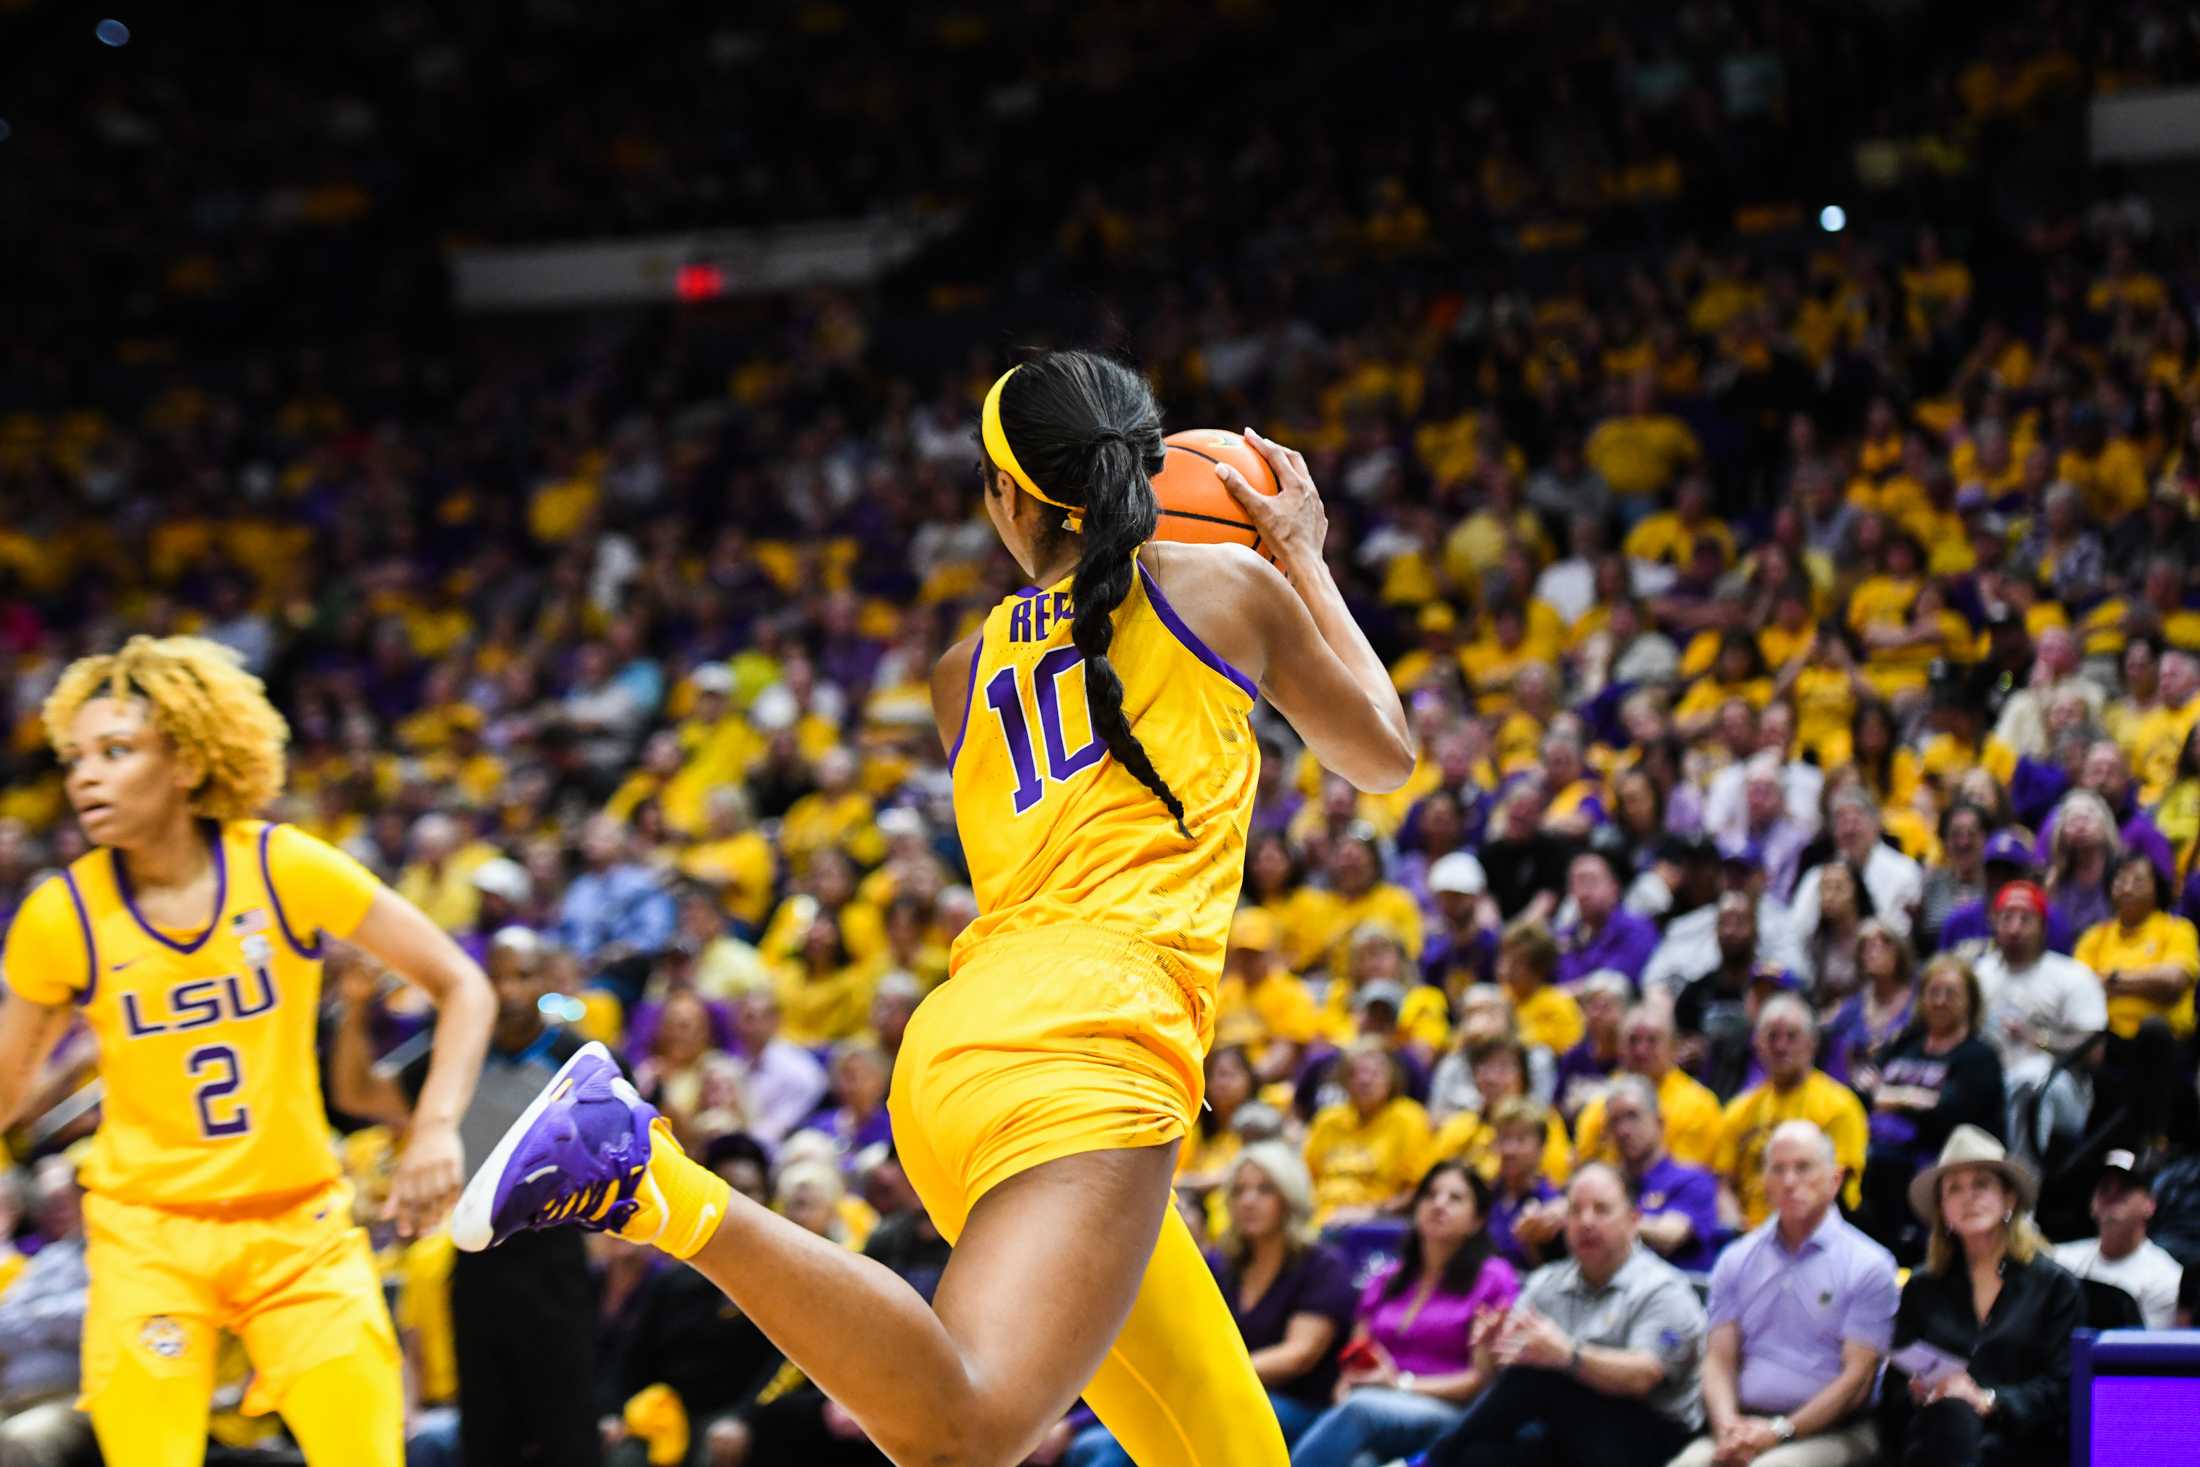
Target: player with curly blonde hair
190, 941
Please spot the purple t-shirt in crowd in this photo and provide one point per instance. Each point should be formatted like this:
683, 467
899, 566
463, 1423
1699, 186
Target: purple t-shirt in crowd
1624, 944
1581, 1064
1672, 1186
1849, 1039
1316, 1281
1432, 1340
1504, 1210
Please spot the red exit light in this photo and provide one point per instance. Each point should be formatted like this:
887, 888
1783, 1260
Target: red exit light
699, 283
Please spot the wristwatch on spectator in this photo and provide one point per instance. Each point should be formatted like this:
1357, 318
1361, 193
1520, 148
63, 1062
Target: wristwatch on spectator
1405, 1380
1783, 1430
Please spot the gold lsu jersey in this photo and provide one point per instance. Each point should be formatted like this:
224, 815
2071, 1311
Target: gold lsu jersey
1057, 832
207, 1052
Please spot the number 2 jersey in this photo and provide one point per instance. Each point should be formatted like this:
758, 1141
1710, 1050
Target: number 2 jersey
207, 1052
1056, 831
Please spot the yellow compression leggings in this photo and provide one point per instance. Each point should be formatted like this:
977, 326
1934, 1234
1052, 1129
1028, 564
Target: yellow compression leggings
1178, 1389
345, 1412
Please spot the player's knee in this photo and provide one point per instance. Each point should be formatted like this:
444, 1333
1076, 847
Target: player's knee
726, 1443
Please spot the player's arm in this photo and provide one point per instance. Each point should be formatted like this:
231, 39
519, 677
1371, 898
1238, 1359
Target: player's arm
432, 1170
47, 964
355, 1086
1289, 626
28, 1033
951, 677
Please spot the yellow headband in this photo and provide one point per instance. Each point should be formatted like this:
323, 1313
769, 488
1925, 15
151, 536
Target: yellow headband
997, 449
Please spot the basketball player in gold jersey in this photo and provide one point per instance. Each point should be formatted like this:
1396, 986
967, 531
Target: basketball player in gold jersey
1103, 777
189, 940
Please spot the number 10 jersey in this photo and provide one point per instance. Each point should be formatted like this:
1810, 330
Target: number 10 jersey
1055, 830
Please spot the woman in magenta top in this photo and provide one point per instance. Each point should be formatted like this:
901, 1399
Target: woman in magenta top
1408, 1373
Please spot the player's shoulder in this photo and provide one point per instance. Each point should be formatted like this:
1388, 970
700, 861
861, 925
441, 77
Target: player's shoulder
1220, 599
52, 902
1183, 569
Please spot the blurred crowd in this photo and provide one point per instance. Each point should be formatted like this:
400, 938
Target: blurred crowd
1802, 629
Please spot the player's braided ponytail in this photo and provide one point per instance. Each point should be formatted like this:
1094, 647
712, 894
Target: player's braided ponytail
1088, 430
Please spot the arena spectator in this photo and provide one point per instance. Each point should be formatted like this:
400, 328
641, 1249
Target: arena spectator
1583, 1070
1604, 935
1936, 1075
1881, 1008
781, 1082
1997, 1310
1679, 1204
1366, 1151
1792, 1089
1688, 1110
1260, 1004
41, 1325
2147, 959
1500, 1074
1601, 1359
1716, 1014
1969, 930
2123, 1255
689, 1076
1894, 882
1524, 1213
1527, 962
616, 910
1802, 1311
2039, 1006
1407, 1373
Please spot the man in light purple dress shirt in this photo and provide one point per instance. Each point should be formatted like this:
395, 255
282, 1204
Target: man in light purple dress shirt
1802, 1310
784, 1081
1604, 934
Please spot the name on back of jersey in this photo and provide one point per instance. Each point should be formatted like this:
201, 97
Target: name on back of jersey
1033, 618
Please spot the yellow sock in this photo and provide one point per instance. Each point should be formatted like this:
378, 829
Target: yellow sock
682, 1201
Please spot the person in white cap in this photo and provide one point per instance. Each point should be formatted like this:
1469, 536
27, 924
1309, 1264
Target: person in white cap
1981, 1366
2123, 1254
506, 892
1463, 933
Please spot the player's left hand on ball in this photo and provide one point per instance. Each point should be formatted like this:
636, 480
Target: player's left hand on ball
427, 1179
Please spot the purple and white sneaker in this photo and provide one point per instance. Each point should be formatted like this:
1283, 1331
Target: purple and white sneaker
578, 1154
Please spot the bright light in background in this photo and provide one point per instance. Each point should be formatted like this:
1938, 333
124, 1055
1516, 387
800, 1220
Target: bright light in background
1833, 219
112, 33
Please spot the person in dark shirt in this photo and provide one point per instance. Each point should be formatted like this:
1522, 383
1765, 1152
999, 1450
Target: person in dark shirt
771, 1422
1997, 1312
1292, 1298
1936, 1075
522, 1318
684, 1334
1716, 1015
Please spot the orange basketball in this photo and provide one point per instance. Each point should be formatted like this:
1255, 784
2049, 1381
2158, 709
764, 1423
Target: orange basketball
1195, 505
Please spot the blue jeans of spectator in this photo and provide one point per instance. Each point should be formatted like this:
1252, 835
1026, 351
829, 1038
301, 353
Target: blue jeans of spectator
1376, 1425
1543, 1418
1094, 1447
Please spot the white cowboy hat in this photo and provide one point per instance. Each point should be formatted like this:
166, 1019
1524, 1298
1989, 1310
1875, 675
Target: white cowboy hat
1969, 1146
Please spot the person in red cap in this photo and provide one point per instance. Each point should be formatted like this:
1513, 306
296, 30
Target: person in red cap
2039, 1006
